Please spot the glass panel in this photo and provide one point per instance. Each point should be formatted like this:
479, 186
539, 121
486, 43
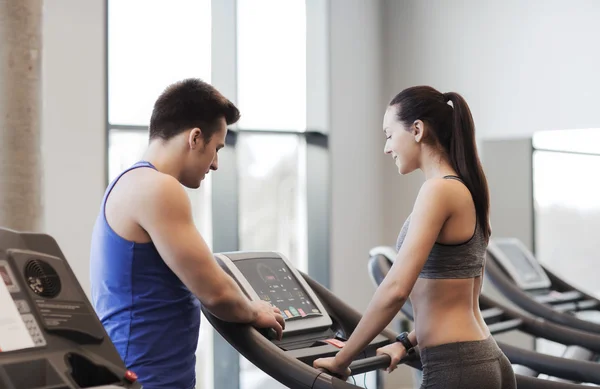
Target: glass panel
567, 215
271, 190
271, 57
272, 195
151, 44
124, 149
578, 141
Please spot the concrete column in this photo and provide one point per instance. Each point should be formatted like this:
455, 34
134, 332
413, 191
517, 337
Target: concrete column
20, 114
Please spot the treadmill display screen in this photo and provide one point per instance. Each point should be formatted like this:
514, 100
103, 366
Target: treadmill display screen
520, 261
273, 281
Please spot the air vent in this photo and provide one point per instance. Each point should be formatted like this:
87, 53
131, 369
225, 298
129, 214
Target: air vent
42, 278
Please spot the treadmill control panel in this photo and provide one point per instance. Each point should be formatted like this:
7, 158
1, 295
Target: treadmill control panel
270, 277
519, 263
273, 281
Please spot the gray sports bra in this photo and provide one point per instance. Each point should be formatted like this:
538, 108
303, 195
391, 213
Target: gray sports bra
463, 260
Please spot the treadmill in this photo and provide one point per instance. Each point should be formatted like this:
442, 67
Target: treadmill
515, 272
576, 368
50, 336
317, 323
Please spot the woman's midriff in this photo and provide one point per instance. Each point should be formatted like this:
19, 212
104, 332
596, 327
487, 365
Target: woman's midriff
447, 311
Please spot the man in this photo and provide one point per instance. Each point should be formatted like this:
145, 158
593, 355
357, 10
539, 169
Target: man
149, 264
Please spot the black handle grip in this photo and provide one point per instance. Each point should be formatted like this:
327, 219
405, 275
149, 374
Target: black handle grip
365, 365
330, 373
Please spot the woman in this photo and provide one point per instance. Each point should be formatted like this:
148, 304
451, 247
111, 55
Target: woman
441, 250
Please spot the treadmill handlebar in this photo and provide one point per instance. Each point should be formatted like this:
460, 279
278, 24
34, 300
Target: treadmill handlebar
365, 365
506, 286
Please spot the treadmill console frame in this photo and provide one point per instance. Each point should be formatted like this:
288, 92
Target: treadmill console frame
541, 282
387, 251
292, 327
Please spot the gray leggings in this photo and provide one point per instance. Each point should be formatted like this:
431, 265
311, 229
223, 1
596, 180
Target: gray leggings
467, 365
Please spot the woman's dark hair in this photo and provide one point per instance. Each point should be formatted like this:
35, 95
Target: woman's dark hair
453, 129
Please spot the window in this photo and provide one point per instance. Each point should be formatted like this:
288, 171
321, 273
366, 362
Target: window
271, 72
566, 206
271, 91
272, 199
151, 44
124, 149
271, 205
567, 215
566, 210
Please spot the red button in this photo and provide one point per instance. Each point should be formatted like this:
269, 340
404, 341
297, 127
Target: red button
130, 376
335, 342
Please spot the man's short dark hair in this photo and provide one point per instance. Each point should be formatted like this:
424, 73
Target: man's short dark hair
190, 103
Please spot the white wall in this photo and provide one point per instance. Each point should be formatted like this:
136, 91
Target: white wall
522, 65
73, 125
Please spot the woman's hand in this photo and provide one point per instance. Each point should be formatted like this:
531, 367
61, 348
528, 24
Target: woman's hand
396, 351
332, 366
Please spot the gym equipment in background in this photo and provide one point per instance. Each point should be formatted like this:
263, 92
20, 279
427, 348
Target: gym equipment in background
500, 319
516, 273
50, 336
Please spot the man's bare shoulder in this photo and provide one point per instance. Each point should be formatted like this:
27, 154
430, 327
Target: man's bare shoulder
144, 198
156, 191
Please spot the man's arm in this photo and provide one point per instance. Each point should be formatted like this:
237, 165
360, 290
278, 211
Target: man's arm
164, 212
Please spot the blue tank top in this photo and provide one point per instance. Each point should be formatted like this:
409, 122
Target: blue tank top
149, 314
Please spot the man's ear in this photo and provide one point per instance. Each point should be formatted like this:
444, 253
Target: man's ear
195, 138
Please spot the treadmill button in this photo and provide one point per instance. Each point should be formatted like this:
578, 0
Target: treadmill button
130, 376
335, 342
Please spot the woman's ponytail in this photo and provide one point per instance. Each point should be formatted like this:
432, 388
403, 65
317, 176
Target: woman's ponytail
464, 158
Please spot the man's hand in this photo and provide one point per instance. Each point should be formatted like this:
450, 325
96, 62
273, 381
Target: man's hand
396, 351
268, 316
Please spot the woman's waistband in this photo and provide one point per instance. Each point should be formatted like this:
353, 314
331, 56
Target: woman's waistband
460, 352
